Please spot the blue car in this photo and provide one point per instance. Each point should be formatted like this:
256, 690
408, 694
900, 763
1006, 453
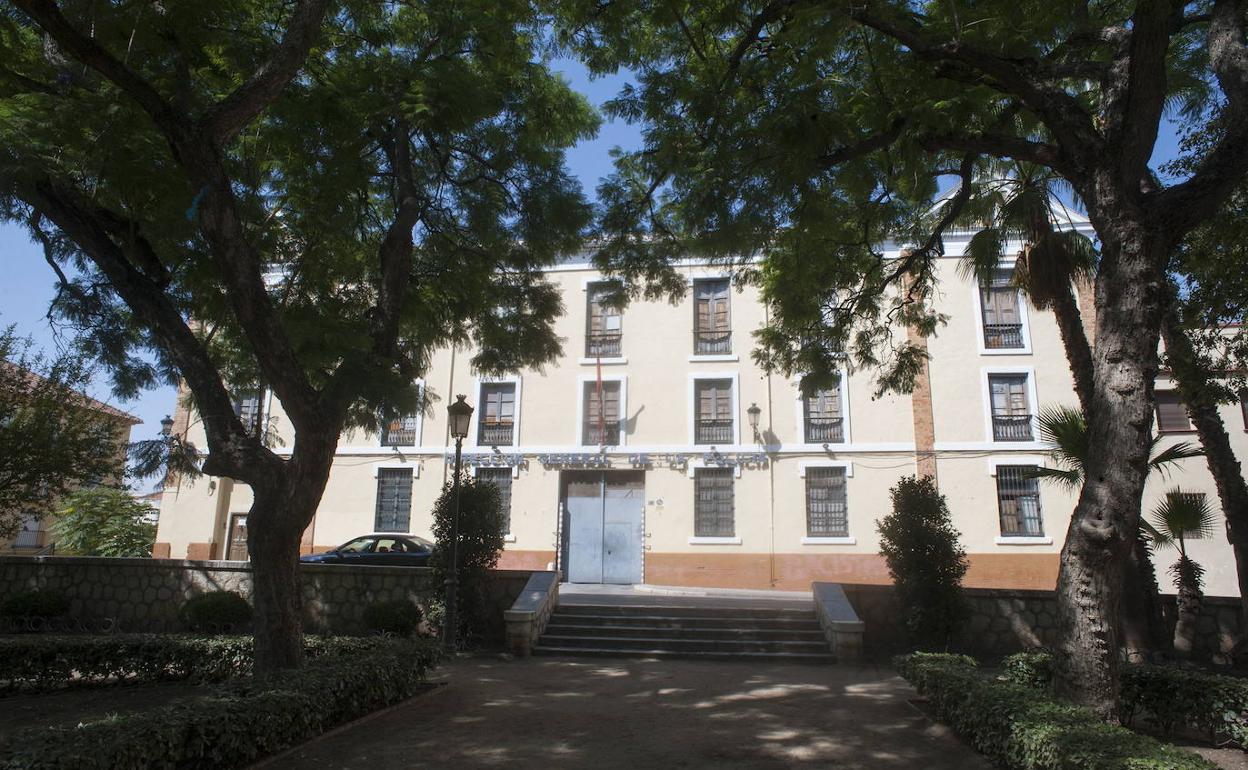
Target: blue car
380, 550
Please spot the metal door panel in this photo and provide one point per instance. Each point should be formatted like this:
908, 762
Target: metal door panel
623, 501
584, 505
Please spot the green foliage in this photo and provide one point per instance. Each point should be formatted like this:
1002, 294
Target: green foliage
34, 604
35, 663
104, 521
1033, 668
398, 617
1172, 699
51, 441
925, 560
241, 722
1021, 728
215, 612
480, 544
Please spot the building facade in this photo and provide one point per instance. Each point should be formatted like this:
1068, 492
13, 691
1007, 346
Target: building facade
634, 458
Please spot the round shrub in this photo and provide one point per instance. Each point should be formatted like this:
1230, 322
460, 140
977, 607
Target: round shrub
35, 604
215, 612
398, 617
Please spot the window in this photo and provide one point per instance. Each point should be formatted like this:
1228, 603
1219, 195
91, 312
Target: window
501, 478
247, 407
822, 417
603, 332
399, 431
1018, 502
601, 421
498, 414
32, 533
827, 511
712, 319
1003, 325
1011, 413
713, 515
1171, 412
394, 500
713, 412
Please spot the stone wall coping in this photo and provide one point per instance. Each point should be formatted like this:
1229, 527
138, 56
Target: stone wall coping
1025, 593
229, 566
840, 623
533, 599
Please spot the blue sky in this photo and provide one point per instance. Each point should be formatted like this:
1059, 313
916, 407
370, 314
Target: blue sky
27, 283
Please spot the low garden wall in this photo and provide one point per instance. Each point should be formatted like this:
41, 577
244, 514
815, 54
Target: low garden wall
1005, 621
144, 594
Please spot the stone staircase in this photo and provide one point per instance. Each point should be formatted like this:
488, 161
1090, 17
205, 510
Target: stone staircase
702, 632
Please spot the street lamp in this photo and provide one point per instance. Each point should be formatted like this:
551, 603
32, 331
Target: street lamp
460, 416
166, 426
753, 413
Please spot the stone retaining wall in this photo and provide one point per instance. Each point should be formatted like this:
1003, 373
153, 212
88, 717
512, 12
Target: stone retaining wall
145, 594
1005, 621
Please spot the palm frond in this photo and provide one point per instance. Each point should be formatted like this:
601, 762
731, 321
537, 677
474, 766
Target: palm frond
1064, 429
983, 255
1065, 477
1173, 454
1181, 516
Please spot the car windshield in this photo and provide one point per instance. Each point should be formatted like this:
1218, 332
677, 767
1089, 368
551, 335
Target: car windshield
420, 543
358, 545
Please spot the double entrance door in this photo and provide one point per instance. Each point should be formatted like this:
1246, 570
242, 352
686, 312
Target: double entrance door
603, 521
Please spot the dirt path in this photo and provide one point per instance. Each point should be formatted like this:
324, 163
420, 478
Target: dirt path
583, 712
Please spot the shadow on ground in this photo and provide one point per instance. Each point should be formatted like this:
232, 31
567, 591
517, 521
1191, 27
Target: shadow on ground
582, 712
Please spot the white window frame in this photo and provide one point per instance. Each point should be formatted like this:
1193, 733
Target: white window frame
474, 427
584, 360
715, 540
843, 388
508, 537
995, 462
1024, 332
692, 402
580, 406
714, 357
848, 465
1032, 403
414, 467
419, 431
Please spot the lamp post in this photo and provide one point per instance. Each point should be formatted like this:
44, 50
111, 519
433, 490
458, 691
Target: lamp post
753, 414
166, 426
460, 415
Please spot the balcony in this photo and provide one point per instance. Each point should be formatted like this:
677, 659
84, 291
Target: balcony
606, 435
825, 430
603, 345
711, 342
396, 434
30, 538
1003, 336
495, 434
713, 432
1011, 427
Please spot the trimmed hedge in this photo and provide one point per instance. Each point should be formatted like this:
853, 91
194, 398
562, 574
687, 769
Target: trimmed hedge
1019, 727
1030, 669
1172, 699
215, 612
399, 617
246, 720
33, 663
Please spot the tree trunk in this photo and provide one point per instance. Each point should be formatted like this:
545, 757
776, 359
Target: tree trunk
1075, 342
1143, 624
1187, 606
1103, 526
1194, 382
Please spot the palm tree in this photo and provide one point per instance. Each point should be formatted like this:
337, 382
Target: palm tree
1180, 516
1065, 430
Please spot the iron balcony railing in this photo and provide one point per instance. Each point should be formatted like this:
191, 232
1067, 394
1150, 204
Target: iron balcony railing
29, 538
1011, 427
825, 430
713, 432
399, 433
602, 345
495, 434
709, 342
604, 435
1003, 336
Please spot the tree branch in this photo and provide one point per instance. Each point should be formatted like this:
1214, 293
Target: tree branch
864, 146
1001, 146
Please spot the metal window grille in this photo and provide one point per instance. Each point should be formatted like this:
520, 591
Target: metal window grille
713, 418
247, 408
400, 431
1018, 501
713, 506
498, 414
827, 508
822, 417
712, 320
501, 478
394, 500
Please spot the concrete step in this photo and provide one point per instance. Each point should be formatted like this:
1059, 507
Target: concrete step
558, 627
678, 644
762, 657
634, 610
805, 623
